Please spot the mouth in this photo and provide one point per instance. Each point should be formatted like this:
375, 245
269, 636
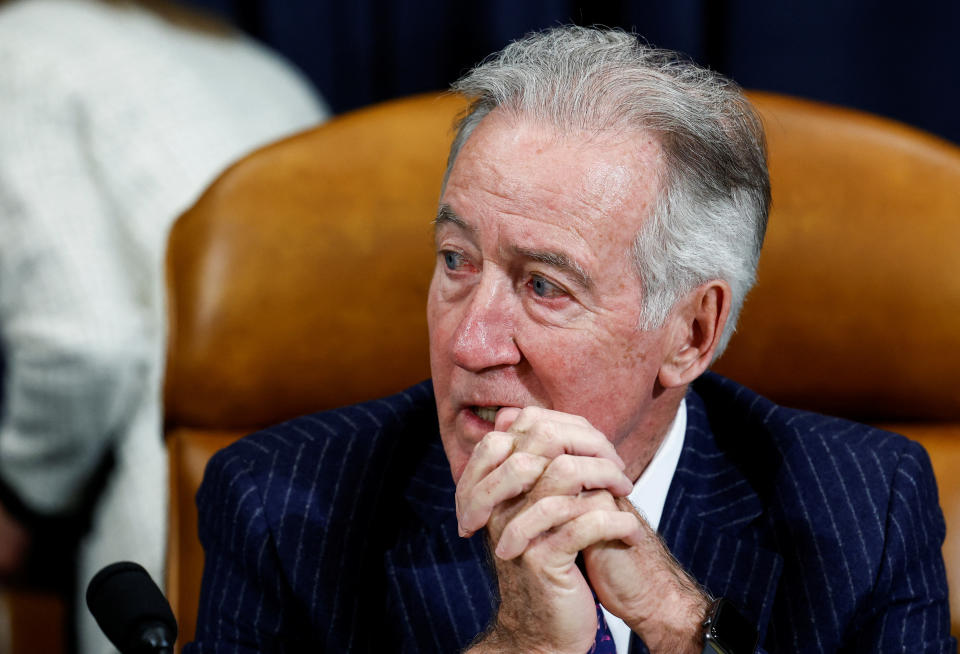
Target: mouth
487, 413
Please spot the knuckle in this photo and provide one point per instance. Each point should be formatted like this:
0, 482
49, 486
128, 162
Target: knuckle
563, 466
543, 438
533, 412
482, 448
492, 443
598, 521
551, 436
527, 419
548, 508
524, 466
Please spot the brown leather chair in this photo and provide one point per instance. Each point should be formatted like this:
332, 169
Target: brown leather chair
36, 621
857, 307
298, 283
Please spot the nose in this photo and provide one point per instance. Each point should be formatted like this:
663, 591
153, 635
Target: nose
485, 336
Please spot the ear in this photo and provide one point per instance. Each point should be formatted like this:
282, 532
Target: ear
696, 324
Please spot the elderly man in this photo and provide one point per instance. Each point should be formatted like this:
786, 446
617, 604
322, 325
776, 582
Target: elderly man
598, 228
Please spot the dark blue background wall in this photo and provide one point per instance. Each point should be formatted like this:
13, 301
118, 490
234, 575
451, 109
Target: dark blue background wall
899, 59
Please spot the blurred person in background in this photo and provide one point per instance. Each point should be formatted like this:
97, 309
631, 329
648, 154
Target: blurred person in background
114, 116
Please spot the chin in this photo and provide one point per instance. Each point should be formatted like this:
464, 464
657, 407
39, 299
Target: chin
457, 457
457, 466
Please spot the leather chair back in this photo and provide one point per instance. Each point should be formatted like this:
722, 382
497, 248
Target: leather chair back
856, 311
298, 283
857, 307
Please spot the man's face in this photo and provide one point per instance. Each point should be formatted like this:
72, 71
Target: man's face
535, 299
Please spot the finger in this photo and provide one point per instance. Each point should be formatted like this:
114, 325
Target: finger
505, 418
523, 472
515, 476
551, 433
583, 531
492, 450
531, 415
543, 515
540, 477
568, 475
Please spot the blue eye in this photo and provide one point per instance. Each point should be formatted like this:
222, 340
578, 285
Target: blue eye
453, 260
542, 288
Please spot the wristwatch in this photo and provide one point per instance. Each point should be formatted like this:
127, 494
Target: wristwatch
727, 631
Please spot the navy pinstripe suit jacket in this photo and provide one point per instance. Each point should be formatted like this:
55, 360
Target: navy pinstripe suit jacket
337, 532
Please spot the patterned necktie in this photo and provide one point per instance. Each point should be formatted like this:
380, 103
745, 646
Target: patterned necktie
603, 643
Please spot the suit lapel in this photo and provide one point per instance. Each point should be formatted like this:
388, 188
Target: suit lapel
713, 520
438, 583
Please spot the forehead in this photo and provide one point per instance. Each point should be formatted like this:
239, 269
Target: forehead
528, 178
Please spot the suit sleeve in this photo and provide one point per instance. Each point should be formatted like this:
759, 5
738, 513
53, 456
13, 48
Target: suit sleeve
911, 612
245, 604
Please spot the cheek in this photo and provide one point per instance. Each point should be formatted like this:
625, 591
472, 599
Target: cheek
436, 329
600, 377
572, 356
432, 303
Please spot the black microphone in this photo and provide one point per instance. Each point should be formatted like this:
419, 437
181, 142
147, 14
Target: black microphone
131, 610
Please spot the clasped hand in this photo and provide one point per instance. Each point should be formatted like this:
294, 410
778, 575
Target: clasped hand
548, 486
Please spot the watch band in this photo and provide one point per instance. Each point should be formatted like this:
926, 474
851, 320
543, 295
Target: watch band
727, 631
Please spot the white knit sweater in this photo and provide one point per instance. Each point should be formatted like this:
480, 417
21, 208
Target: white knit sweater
112, 121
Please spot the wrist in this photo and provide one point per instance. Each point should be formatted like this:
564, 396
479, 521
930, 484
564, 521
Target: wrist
496, 641
677, 627
504, 636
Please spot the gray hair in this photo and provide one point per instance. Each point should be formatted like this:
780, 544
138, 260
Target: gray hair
711, 211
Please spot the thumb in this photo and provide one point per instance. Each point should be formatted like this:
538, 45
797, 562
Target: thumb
505, 418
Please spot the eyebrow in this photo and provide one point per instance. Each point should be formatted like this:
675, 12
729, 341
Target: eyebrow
560, 261
563, 262
447, 216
